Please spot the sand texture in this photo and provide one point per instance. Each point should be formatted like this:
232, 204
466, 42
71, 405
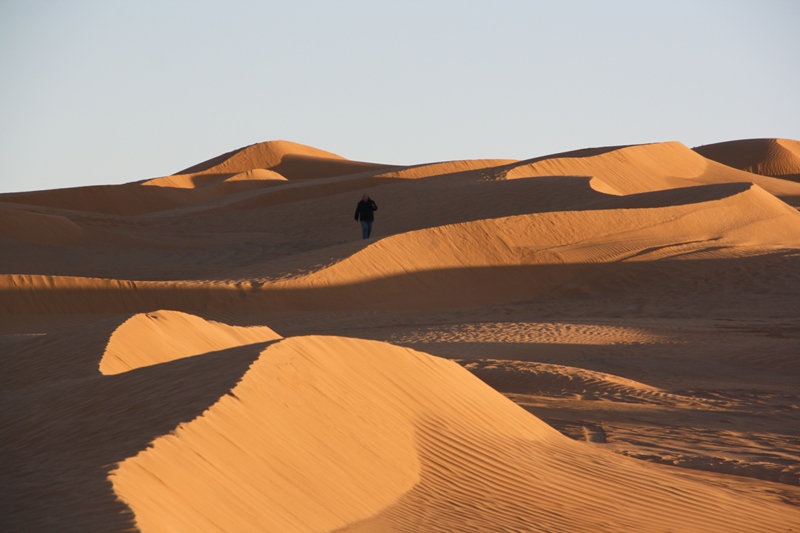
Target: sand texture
599, 340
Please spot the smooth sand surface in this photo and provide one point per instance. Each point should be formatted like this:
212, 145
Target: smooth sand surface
599, 340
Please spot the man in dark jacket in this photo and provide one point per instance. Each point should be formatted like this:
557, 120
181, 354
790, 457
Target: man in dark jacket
364, 213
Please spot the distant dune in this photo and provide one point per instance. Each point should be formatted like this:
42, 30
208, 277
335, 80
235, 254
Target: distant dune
604, 339
253, 167
779, 158
292, 160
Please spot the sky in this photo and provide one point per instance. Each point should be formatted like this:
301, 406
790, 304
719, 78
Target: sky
108, 91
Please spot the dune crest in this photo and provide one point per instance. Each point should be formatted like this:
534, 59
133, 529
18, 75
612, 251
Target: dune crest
152, 338
355, 435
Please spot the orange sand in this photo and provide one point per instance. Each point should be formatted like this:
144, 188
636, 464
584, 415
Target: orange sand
218, 350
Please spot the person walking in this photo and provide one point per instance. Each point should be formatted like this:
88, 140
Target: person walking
365, 213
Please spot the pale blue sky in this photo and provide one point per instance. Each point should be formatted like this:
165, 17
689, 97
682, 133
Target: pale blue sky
111, 91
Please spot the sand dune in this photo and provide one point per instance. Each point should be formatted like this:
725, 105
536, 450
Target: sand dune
576, 237
627, 170
259, 155
405, 268
254, 166
162, 336
308, 405
289, 159
779, 158
218, 350
643, 168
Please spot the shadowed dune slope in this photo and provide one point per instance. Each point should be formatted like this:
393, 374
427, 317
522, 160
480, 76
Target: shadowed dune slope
162, 194
327, 433
126, 199
152, 338
65, 425
28, 294
779, 158
39, 228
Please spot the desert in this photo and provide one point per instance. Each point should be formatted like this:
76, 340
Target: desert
606, 339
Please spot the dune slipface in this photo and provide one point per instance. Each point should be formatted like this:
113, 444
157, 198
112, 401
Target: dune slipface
599, 340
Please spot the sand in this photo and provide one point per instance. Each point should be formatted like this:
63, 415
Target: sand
598, 340
779, 158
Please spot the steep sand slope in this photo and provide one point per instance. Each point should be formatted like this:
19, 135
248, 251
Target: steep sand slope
152, 338
323, 432
779, 158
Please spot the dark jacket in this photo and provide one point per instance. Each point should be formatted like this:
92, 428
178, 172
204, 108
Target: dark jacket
365, 210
